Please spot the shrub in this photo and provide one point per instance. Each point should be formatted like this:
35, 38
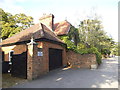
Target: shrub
70, 44
81, 48
98, 57
105, 51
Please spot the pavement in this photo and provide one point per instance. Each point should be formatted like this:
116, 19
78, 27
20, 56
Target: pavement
106, 76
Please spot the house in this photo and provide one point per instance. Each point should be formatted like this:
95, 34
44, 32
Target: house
36, 50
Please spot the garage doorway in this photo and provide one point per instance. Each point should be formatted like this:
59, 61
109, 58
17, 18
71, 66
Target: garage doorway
55, 58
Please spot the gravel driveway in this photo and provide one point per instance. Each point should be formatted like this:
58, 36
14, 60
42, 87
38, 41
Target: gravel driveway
106, 76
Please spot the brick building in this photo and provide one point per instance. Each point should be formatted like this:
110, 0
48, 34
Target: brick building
36, 50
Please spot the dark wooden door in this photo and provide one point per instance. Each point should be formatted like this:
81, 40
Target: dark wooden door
55, 58
5, 64
3, 56
19, 65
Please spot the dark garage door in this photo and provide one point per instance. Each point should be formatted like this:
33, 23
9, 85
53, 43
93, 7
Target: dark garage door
19, 65
55, 58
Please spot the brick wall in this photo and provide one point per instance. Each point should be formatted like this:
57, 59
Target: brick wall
39, 65
47, 45
33, 64
18, 49
36, 65
81, 61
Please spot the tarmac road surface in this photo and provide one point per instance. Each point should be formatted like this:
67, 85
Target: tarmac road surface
106, 76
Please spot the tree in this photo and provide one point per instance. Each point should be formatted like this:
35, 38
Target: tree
92, 34
23, 21
70, 44
116, 49
3, 15
12, 24
74, 35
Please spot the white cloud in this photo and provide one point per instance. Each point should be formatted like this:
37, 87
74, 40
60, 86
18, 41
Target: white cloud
62, 10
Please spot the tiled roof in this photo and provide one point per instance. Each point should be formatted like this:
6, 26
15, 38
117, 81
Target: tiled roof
62, 28
40, 31
48, 34
37, 31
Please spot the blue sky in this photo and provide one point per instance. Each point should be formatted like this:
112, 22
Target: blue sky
72, 10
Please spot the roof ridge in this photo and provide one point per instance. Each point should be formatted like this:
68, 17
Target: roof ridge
38, 30
42, 33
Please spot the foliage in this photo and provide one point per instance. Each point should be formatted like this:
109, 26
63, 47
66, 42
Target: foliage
92, 35
12, 24
91, 32
81, 48
23, 20
98, 57
116, 49
70, 44
92, 50
105, 51
74, 35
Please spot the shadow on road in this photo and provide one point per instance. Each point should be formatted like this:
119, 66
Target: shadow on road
106, 76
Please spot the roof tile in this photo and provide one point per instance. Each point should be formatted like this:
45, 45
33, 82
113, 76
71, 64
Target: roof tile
62, 28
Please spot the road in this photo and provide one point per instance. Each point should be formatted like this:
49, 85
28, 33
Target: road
106, 76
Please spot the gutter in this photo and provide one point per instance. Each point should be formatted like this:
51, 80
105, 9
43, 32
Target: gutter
36, 40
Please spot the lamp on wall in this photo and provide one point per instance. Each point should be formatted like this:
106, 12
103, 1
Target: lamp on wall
32, 41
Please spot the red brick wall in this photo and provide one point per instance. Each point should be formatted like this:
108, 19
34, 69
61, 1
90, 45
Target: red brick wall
33, 63
39, 65
36, 65
81, 61
18, 49
46, 46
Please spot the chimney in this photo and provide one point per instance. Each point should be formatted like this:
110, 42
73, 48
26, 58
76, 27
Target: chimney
48, 21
